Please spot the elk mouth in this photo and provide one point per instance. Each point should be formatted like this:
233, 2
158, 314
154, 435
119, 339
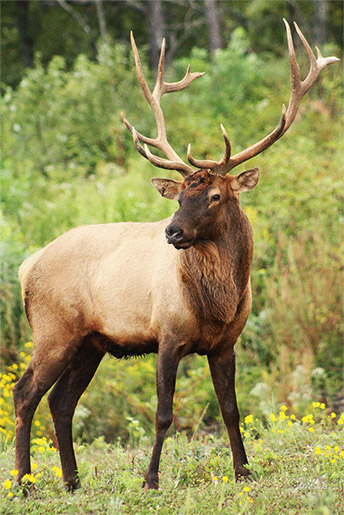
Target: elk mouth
182, 244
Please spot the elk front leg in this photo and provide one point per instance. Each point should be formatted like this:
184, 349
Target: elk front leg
222, 369
166, 379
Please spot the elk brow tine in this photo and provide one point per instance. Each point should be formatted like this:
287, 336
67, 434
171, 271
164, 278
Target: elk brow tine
219, 167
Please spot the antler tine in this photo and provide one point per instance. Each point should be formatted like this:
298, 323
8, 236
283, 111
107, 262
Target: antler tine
173, 161
139, 71
298, 90
189, 77
219, 167
160, 162
181, 167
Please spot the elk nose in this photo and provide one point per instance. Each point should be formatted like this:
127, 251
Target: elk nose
173, 234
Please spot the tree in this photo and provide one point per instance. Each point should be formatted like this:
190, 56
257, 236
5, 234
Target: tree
213, 26
156, 30
320, 21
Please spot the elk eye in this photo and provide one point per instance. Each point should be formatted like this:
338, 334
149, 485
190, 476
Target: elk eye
215, 198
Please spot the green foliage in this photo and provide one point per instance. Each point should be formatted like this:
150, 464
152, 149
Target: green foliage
62, 123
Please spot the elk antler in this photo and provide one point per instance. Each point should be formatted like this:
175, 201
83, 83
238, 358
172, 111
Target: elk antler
174, 162
298, 90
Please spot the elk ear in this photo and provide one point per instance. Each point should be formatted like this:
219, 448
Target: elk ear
245, 181
167, 187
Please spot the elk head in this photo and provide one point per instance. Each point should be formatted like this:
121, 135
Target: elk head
205, 199
205, 193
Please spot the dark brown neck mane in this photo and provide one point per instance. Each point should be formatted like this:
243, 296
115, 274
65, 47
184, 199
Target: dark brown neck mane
216, 273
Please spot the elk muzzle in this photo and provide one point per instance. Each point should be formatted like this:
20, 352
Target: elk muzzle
177, 237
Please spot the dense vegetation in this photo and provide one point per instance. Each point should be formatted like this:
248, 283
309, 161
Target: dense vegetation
67, 160
297, 466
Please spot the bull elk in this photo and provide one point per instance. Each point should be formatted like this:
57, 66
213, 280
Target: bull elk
174, 287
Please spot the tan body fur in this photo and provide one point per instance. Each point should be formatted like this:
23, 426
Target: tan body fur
119, 280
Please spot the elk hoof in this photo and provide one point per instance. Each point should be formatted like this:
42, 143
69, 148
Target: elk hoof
242, 473
72, 484
26, 488
150, 484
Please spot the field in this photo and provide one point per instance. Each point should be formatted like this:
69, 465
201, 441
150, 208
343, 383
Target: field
297, 465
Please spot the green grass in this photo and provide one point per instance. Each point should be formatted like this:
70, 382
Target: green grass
297, 465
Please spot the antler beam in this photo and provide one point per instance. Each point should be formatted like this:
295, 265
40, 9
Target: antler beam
298, 89
173, 161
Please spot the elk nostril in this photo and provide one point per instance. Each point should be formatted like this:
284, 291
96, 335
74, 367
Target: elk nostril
174, 233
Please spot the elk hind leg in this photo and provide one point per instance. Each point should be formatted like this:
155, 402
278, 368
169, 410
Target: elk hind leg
63, 400
46, 365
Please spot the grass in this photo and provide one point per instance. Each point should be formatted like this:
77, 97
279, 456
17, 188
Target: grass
297, 465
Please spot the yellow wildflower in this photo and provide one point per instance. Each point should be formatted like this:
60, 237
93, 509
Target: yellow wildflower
29, 477
249, 419
10, 494
7, 484
58, 471
283, 408
246, 488
322, 405
308, 418
215, 478
273, 417
333, 415
316, 404
14, 472
28, 345
225, 479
